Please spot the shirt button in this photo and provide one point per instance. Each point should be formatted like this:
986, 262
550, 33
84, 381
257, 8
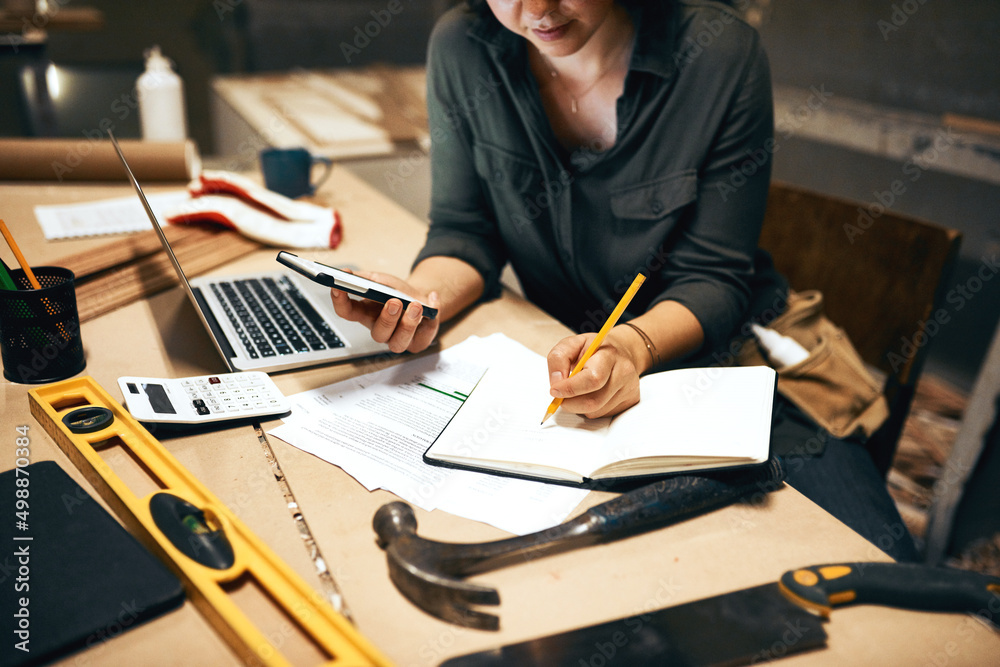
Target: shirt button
498, 176
657, 206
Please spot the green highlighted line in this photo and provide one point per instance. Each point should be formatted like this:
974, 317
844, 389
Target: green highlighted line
458, 396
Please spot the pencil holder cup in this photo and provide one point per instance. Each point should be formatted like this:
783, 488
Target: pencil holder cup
40, 328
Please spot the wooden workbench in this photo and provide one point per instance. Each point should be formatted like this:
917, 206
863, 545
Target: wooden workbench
740, 546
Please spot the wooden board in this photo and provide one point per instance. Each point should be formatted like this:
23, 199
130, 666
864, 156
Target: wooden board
125, 270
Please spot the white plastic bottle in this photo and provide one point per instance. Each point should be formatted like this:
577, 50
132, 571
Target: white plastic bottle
161, 100
781, 350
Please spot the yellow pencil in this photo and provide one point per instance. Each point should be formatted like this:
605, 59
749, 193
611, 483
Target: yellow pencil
20, 258
596, 343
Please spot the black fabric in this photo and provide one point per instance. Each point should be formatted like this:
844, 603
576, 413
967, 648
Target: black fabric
840, 476
84, 578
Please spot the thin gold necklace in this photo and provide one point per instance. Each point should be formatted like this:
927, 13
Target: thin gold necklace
574, 107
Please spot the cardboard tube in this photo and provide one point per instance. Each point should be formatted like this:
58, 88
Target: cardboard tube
86, 159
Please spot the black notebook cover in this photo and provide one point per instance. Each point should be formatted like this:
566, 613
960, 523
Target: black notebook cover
80, 579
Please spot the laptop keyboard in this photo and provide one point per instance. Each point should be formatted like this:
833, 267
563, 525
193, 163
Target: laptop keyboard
273, 318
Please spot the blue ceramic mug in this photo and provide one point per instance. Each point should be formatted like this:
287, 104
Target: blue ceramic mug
288, 171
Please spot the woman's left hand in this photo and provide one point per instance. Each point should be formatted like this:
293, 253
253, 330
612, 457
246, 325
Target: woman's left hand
606, 385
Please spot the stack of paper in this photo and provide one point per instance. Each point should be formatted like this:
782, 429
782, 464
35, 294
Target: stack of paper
378, 426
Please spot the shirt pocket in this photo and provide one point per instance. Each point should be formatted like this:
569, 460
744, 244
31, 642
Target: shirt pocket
512, 181
655, 202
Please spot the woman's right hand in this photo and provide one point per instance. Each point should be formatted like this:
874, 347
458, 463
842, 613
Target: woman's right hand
404, 330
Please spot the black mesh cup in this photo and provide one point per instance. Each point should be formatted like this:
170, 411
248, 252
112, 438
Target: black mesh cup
40, 329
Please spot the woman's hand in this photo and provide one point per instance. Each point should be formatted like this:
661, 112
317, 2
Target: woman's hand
606, 385
405, 330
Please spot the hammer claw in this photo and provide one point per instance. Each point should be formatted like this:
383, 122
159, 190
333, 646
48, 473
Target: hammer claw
447, 598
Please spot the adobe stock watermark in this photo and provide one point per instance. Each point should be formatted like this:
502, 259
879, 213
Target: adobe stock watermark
363, 35
433, 650
957, 297
972, 626
743, 513
48, 353
121, 108
534, 206
710, 30
785, 127
610, 648
453, 116
655, 259
793, 635
39, 21
899, 15
290, 631
932, 150
789, 123
247, 152
554, 189
225, 7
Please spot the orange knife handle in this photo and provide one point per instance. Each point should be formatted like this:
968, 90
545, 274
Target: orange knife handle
907, 585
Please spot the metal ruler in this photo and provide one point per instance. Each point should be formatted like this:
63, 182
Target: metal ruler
205, 544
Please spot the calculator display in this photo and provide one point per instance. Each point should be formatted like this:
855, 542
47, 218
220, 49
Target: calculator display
158, 399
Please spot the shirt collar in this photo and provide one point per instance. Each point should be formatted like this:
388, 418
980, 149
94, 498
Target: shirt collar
653, 52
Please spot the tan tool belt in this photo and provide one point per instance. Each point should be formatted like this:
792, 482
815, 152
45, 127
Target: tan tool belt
832, 386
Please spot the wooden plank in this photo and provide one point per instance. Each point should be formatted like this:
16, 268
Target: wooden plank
66, 19
121, 272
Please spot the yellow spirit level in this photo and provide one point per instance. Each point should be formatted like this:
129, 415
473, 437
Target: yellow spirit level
204, 543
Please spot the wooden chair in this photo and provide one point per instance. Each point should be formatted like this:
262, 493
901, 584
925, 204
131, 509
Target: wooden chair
883, 277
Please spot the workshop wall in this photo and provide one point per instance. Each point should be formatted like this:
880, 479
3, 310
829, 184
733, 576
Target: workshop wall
919, 62
916, 56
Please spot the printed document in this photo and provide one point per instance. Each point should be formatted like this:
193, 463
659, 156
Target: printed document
121, 215
376, 427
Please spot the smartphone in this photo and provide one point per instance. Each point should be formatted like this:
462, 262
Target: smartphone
348, 282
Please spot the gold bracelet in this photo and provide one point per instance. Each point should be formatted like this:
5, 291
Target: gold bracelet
654, 356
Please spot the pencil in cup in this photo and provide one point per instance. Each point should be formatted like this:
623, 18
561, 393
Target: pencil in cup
19, 255
596, 343
40, 329
5, 280
37, 335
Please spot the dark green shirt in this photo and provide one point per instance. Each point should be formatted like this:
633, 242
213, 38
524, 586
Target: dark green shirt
680, 196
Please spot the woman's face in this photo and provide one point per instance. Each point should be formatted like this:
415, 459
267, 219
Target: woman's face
555, 27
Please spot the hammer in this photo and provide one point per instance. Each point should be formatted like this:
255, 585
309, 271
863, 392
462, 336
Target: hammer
429, 573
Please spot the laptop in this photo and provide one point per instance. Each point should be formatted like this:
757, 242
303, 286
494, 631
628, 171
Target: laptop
266, 322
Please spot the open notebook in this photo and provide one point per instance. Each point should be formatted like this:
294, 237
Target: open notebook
686, 420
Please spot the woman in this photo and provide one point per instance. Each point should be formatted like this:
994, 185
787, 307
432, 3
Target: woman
585, 141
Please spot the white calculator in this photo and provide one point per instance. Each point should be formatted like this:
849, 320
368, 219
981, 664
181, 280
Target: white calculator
203, 399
